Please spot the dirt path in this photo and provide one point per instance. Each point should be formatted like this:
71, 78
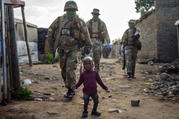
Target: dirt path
47, 84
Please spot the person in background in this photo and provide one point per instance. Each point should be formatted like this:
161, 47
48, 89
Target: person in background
99, 37
131, 44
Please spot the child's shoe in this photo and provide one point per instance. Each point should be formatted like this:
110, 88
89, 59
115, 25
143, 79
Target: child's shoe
95, 113
85, 114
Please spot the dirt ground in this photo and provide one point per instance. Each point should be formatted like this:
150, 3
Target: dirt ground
47, 84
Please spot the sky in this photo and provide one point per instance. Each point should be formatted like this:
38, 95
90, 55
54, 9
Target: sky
115, 13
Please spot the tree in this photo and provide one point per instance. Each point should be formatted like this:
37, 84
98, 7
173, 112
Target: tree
144, 5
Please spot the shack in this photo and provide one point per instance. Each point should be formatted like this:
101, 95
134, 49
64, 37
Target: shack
158, 32
32, 39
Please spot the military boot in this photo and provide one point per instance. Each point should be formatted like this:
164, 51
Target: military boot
133, 76
72, 92
129, 75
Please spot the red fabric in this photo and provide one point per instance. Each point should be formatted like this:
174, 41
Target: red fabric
90, 80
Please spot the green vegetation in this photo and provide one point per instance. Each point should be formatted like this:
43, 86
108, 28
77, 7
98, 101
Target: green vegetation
49, 58
21, 94
144, 5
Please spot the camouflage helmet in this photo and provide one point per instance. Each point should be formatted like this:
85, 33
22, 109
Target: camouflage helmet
95, 11
70, 5
132, 21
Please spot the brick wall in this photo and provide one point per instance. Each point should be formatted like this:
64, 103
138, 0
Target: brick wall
148, 39
167, 12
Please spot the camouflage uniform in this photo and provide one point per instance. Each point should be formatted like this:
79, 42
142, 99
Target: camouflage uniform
99, 36
132, 45
68, 33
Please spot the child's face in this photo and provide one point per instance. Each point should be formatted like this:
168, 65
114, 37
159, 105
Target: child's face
88, 65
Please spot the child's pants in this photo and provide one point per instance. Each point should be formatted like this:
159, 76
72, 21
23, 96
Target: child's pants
86, 101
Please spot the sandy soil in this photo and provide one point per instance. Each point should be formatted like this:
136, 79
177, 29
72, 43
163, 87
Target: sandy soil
47, 83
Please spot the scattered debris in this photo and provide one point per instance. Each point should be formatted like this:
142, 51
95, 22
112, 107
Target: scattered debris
172, 68
52, 113
114, 110
150, 63
167, 88
135, 103
27, 82
110, 78
110, 96
38, 99
52, 99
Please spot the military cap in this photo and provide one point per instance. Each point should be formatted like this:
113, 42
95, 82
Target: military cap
95, 11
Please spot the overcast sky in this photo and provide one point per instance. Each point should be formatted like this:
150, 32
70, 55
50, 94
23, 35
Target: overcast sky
115, 13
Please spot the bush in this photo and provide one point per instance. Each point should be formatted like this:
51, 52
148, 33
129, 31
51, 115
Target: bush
21, 94
49, 58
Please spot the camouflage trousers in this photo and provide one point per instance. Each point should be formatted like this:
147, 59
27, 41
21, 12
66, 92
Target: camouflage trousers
86, 101
106, 52
131, 55
68, 65
96, 51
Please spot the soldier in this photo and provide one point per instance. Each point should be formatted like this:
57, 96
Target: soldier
99, 36
131, 44
67, 34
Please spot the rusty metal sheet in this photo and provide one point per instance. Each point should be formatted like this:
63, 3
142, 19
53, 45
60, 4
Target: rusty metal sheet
15, 3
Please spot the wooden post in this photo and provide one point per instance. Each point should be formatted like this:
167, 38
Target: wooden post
1, 48
8, 52
14, 67
25, 34
4, 53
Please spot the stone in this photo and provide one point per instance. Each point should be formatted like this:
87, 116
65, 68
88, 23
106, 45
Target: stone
135, 102
164, 76
175, 91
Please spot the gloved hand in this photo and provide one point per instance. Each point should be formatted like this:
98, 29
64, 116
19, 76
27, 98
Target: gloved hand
108, 46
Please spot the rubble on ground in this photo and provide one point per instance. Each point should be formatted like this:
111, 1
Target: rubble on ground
170, 68
167, 88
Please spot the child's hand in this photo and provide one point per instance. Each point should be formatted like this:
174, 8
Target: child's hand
107, 91
73, 87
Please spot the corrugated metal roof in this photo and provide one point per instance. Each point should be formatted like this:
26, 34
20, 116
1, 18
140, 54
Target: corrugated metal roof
21, 22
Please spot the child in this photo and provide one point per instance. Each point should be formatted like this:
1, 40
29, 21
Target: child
89, 78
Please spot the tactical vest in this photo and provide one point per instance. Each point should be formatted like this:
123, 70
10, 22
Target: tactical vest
98, 34
131, 41
70, 34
